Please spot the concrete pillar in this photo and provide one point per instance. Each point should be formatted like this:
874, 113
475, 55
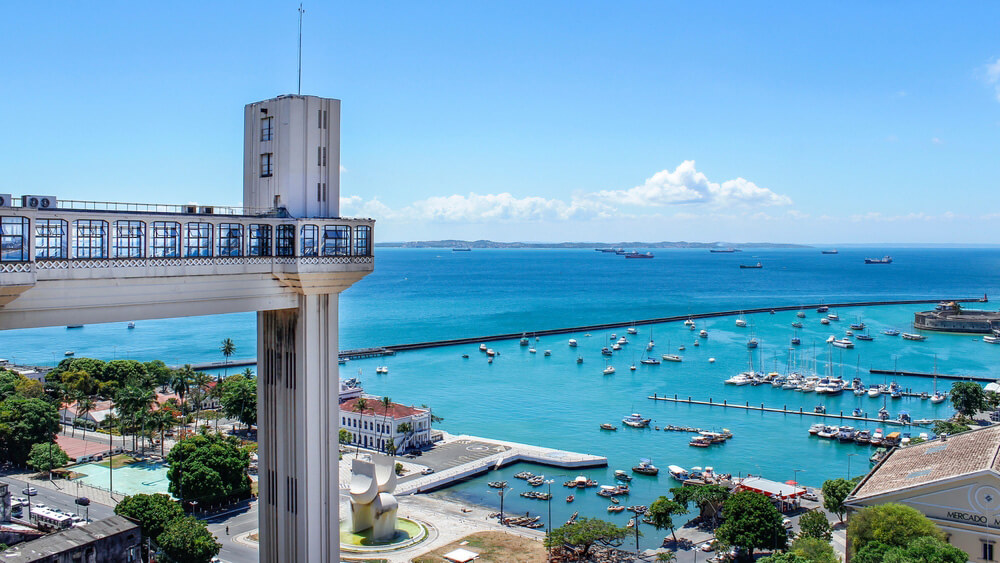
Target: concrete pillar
298, 421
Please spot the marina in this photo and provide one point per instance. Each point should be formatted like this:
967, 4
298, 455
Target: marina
783, 410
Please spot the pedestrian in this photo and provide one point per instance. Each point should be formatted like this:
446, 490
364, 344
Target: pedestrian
227, 530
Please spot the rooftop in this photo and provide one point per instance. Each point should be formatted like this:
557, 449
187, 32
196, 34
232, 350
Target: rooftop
53, 544
962, 454
375, 407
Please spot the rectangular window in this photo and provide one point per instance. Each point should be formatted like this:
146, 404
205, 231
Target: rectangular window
987, 551
324, 156
260, 240
309, 235
319, 156
319, 191
197, 239
129, 237
166, 237
326, 120
324, 191
230, 239
284, 240
362, 240
336, 240
90, 239
266, 131
265, 165
51, 239
319, 118
14, 239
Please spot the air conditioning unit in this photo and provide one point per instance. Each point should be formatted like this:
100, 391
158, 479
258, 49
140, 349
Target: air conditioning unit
38, 201
6, 200
190, 209
207, 209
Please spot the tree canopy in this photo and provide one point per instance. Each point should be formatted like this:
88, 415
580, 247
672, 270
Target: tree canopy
920, 550
891, 524
208, 468
661, 513
45, 457
153, 512
238, 396
577, 538
814, 524
968, 397
708, 498
23, 423
187, 540
835, 491
751, 522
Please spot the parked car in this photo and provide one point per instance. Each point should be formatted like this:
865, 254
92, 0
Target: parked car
427, 471
810, 496
30, 491
786, 522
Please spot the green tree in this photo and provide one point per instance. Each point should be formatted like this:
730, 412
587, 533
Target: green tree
360, 406
46, 457
84, 405
814, 524
228, 348
133, 401
968, 397
751, 522
24, 422
180, 383
344, 437
187, 540
208, 468
158, 372
153, 512
29, 388
894, 525
786, 557
577, 538
835, 491
814, 550
956, 426
80, 382
708, 498
123, 372
386, 403
238, 397
661, 513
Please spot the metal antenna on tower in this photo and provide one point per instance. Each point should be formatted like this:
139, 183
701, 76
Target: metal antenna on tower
301, 11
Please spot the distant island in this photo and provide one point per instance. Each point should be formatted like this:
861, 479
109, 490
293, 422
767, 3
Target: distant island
662, 244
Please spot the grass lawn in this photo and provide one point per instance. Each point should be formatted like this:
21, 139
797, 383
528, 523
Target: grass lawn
492, 547
120, 460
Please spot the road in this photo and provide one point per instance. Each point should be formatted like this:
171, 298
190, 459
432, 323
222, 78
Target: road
63, 500
239, 522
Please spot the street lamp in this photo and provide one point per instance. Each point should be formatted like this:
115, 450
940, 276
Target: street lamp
849, 456
795, 473
549, 482
501, 493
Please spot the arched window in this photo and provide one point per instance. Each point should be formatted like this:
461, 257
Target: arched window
14, 239
309, 243
230, 239
336, 240
90, 239
51, 239
129, 238
197, 239
166, 239
362, 240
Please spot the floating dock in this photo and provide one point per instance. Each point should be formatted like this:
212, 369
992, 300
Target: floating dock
940, 375
783, 410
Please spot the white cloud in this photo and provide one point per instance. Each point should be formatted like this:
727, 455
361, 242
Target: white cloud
993, 76
343, 169
685, 185
936, 141
477, 208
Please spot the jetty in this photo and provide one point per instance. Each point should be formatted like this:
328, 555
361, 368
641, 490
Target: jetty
783, 410
938, 375
512, 452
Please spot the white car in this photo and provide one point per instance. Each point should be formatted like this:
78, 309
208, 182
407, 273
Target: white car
810, 496
30, 491
707, 546
427, 471
786, 522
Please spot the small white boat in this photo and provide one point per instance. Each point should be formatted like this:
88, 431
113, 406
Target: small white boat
632, 330
711, 360
490, 352
69, 353
874, 391
672, 358
572, 343
616, 346
677, 472
548, 353
991, 339
911, 336
681, 348
609, 370
623, 340
482, 347
816, 428
703, 333
532, 350
382, 369
833, 317
938, 397
739, 379
801, 314
843, 343
632, 367
830, 339
649, 346
131, 324
689, 322
741, 322
635, 420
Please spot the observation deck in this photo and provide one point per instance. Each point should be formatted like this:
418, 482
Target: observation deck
76, 262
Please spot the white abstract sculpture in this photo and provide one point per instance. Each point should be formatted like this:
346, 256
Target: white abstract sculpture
372, 503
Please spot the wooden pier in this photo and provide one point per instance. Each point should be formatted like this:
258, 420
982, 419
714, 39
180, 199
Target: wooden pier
783, 410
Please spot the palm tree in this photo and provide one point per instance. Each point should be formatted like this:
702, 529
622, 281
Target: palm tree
359, 406
84, 405
180, 383
227, 349
386, 405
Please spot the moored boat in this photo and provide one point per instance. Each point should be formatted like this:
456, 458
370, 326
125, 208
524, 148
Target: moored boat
635, 420
645, 467
911, 336
607, 426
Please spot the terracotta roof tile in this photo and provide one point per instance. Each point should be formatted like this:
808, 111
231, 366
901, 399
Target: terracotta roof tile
375, 407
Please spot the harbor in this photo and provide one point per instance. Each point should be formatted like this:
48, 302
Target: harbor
783, 410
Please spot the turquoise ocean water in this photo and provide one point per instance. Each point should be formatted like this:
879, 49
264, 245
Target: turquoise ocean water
420, 294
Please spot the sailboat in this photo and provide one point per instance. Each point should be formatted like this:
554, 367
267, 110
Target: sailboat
937, 397
650, 345
741, 320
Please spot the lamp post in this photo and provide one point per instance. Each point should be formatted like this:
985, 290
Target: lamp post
501, 493
795, 475
849, 456
548, 483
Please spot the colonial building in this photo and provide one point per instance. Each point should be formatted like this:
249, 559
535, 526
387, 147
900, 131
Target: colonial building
376, 426
953, 480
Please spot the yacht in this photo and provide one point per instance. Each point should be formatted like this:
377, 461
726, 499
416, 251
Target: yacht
797, 324
833, 317
938, 397
533, 350
677, 472
741, 321
621, 475
635, 420
739, 379
579, 359
911, 336
843, 343
816, 429
605, 351
689, 322
796, 341
547, 353
828, 432
69, 353
863, 437
382, 369
752, 343
801, 314
858, 326
572, 343
616, 346
623, 341
482, 347
632, 330
991, 339
524, 339
822, 309
891, 332
865, 336
825, 321
672, 358
646, 467
703, 333
649, 346
845, 434
490, 352
650, 362
610, 370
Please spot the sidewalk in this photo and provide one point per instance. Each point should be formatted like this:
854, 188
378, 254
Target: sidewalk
100, 496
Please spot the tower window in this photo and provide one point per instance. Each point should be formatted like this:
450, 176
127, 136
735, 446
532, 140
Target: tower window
336, 240
265, 165
362, 240
309, 235
266, 130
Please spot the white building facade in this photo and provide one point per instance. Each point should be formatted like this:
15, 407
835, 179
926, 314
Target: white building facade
376, 426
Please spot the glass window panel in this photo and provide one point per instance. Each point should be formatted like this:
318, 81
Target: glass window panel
336, 240
362, 240
230, 239
309, 244
51, 239
90, 239
285, 240
14, 239
166, 237
260, 240
197, 239
129, 236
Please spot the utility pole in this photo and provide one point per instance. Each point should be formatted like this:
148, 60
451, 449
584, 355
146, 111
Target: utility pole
549, 534
301, 11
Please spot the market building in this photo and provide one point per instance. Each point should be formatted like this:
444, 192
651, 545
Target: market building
953, 480
376, 425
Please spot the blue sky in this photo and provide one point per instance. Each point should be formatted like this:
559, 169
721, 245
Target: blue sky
784, 122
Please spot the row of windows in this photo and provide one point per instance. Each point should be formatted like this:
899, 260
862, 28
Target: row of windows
365, 425
91, 239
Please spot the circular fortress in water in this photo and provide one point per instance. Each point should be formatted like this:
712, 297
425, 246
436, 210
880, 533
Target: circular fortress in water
949, 316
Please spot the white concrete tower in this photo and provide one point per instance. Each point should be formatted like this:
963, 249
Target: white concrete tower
291, 155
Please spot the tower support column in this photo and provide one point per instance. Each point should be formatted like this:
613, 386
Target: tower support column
298, 389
